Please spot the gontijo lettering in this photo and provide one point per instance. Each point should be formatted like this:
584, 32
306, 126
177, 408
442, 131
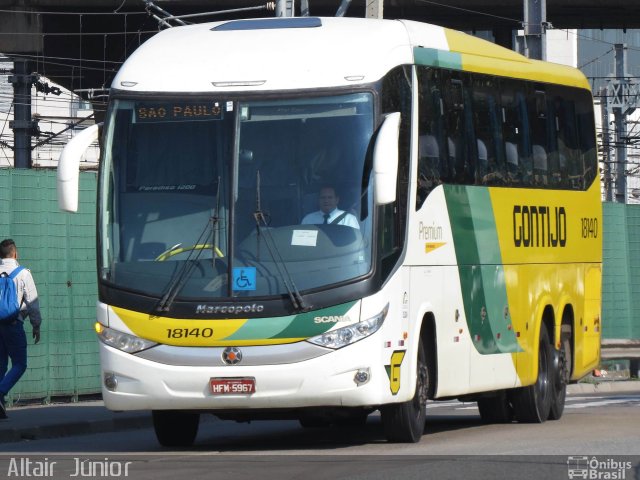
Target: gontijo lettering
539, 226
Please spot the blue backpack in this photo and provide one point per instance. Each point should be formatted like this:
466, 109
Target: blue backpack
9, 306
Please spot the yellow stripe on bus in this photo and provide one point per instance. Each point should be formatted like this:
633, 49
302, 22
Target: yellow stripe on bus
485, 57
190, 332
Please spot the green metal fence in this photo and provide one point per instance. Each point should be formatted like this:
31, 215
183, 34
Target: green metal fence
621, 272
59, 249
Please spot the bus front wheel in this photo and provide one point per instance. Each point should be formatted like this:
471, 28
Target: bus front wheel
175, 428
404, 422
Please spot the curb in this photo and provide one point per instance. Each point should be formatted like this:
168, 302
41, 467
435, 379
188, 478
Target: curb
605, 387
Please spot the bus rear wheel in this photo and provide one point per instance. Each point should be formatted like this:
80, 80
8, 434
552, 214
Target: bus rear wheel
559, 377
532, 404
175, 428
404, 422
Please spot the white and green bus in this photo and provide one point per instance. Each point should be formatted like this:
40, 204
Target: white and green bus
469, 268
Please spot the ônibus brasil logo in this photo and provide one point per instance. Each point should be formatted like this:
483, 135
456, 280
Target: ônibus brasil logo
583, 466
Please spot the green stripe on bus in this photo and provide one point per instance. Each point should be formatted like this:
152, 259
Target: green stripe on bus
462, 227
484, 225
291, 326
437, 58
261, 328
305, 326
480, 269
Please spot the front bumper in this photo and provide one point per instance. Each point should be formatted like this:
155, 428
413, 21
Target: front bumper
326, 380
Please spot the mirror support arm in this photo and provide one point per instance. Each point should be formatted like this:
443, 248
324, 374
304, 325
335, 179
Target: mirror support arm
69, 167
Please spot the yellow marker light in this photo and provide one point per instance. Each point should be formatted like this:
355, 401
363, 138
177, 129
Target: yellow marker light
99, 328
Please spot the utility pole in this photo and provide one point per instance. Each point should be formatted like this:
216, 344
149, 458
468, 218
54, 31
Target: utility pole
285, 8
535, 25
23, 125
606, 154
621, 126
623, 97
374, 9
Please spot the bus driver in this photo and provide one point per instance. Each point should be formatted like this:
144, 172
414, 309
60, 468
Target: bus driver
329, 211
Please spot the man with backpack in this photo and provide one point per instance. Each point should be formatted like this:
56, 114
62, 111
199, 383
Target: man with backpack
18, 299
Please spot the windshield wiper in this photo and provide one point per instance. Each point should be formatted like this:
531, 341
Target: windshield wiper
294, 295
179, 280
214, 229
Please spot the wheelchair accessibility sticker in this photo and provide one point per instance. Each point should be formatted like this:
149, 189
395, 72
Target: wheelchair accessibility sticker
244, 278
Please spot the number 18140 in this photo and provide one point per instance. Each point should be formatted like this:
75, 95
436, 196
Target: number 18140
589, 227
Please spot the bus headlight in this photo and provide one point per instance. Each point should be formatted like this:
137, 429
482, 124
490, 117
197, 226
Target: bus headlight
122, 341
344, 336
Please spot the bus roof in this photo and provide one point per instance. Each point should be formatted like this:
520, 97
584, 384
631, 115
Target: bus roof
307, 52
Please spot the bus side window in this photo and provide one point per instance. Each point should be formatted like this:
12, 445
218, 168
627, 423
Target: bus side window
516, 133
524, 147
472, 147
460, 140
584, 114
553, 155
488, 132
537, 109
570, 158
430, 133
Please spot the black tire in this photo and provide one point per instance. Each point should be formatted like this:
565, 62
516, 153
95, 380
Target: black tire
532, 404
496, 409
559, 377
175, 428
404, 422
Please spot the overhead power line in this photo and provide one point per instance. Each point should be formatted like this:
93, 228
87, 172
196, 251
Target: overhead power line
93, 13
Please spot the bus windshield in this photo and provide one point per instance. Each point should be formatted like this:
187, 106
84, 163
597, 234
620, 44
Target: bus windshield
217, 198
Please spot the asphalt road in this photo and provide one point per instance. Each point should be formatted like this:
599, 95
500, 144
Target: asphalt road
456, 444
